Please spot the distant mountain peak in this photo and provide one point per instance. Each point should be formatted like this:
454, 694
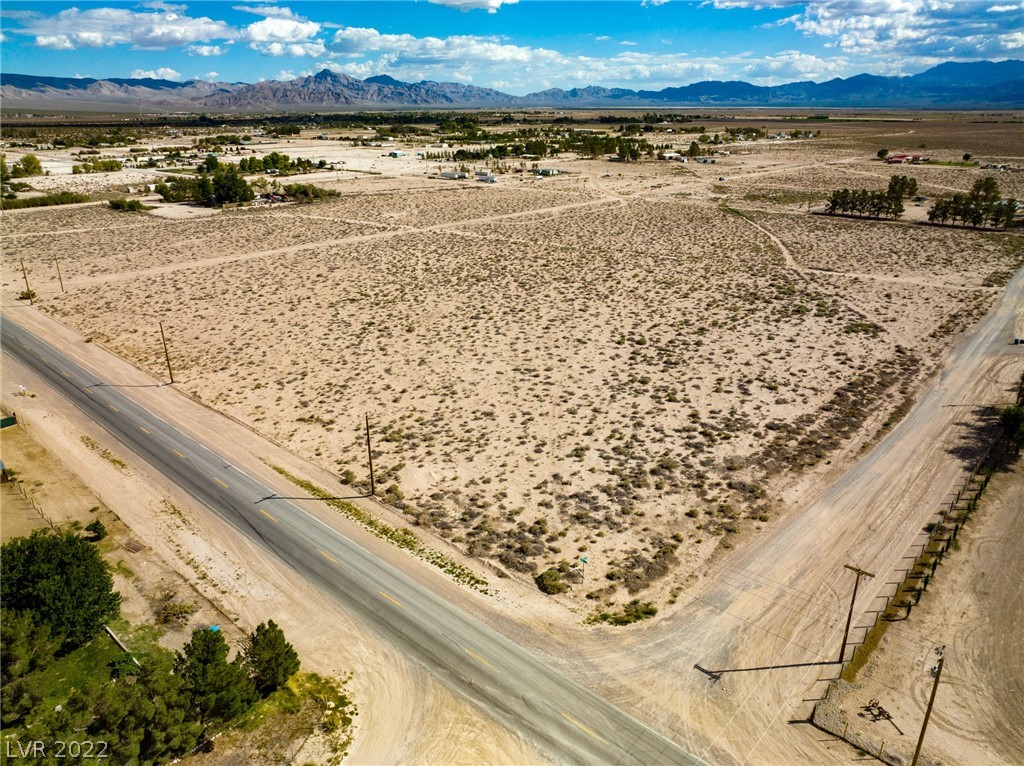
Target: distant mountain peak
384, 79
951, 85
327, 75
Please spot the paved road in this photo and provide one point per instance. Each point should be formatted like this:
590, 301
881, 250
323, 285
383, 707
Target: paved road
565, 720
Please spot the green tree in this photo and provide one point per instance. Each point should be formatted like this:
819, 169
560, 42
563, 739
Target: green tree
24, 646
28, 165
209, 165
882, 154
146, 721
182, 189
967, 157
986, 189
62, 581
5, 172
18, 699
217, 689
271, 659
229, 186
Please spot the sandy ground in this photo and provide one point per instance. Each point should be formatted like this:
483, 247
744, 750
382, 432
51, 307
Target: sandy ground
612, 351
971, 613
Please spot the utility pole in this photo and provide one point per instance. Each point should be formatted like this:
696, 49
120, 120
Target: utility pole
167, 356
928, 712
59, 277
849, 617
28, 290
369, 455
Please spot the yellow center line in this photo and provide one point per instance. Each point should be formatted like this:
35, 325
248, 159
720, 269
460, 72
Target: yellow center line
144, 429
328, 556
178, 453
65, 374
216, 479
88, 391
478, 658
45, 360
385, 595
115, 409
268, 515
584, 728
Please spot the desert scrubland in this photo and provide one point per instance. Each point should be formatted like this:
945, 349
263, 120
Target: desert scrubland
629, 362
645, 364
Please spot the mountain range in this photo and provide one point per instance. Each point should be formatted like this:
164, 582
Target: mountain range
952, 85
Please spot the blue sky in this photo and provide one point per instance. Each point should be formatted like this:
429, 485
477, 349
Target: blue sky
517, 46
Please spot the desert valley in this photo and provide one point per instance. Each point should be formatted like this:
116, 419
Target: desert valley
604, 387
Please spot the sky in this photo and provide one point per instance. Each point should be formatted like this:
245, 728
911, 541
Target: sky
517, 46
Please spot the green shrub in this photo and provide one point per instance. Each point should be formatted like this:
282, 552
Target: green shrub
127, 205
632, 612
550, 581
47, 200
306, 193
96, 529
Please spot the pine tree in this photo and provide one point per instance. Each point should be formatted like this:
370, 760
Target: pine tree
24, 646
217, 689
271, 659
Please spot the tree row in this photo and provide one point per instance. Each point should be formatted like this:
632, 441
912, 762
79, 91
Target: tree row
873, 203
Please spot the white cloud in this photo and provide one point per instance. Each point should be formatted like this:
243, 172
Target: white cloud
913, 31
652, 3
312, 49
627, 42
602, 38
163, 73
102, 27
270, 11
211, 76
362, 52
206, 50
160, 5
787, 66
55, 42
280, 30
491, 6
1014, 40
357, 41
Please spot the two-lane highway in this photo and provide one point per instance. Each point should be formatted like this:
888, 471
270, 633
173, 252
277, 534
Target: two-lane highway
562, 718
